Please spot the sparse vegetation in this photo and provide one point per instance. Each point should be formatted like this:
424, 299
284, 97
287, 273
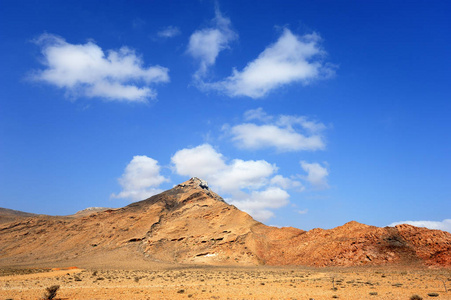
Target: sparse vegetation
50, 292
223, 283
11, 271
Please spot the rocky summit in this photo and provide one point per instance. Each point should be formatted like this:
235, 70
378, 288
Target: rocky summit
190, 224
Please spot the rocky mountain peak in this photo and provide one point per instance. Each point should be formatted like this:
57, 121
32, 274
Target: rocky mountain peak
195, 182
92, 209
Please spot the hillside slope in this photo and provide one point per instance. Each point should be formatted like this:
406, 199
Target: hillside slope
190, 224
10, 215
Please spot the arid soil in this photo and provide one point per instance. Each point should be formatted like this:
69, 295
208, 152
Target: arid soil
230, 283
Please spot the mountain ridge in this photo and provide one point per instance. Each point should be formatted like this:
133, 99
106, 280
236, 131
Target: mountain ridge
190, 224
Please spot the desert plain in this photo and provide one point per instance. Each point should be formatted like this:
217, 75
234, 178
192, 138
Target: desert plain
206, 282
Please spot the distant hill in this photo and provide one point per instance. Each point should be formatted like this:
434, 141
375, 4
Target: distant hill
190, 224
9, 215
89, 211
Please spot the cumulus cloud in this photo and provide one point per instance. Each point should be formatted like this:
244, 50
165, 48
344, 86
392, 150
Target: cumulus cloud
286, 133
259, 203
202, 161
141, 179
205, 162
257, 114
444, 225
240, 174
286, 183
316, 174
169, 32
86, 70
252, 136
205, 44
248, 182
252, 185
290, 59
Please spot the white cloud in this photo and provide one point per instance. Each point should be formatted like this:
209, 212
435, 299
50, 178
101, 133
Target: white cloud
316, 174
257, 114
287, 133
202, 161
141, 179
205, 45
247, 182
84, 69
205, 162
252, 136
444, 225
291, 121
258, 203
169, 32
303, 211
286, 183
291, 59
240, 174
115, 90
252, 185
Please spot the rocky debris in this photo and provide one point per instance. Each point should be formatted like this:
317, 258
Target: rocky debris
433, 246
190, 224
202, 183
193, 182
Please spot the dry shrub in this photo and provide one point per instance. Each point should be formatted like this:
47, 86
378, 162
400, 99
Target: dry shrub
51, 292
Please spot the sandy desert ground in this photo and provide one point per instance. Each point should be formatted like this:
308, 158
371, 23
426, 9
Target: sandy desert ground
228, 283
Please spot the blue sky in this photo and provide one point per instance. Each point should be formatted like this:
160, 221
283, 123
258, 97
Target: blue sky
302, 113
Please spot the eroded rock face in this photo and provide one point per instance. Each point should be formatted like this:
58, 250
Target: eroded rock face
190, 224
432, 246
355, 244
201, 228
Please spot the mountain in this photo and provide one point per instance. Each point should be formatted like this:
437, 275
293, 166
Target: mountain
9, 215
190, 224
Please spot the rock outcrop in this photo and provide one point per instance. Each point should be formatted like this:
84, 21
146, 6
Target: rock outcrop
190, 224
